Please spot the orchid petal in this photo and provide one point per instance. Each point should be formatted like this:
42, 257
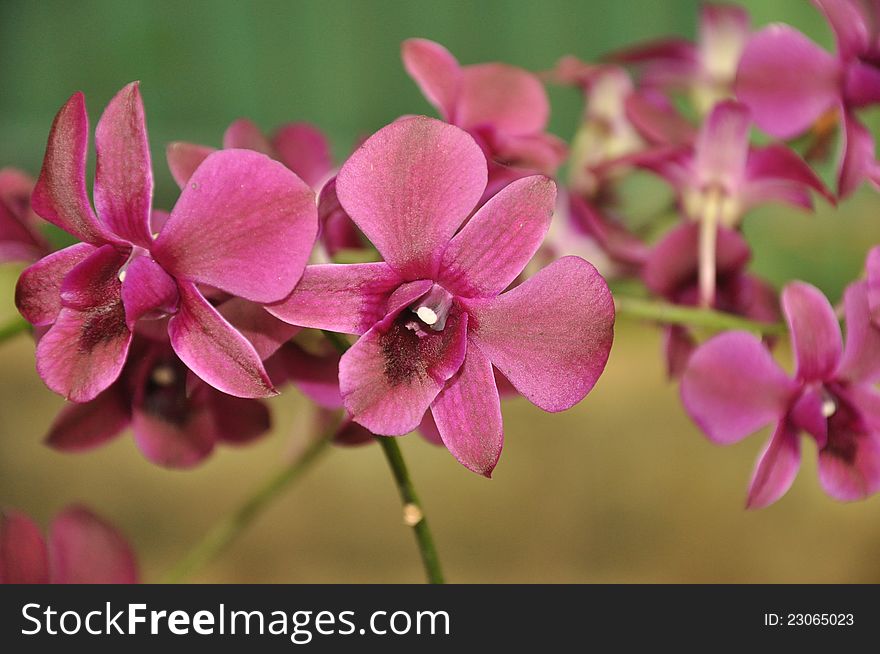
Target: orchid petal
82, 427
390, 377
507, 98
409, 187
183, 159
771, 80
501, 238
777, 173
436, 71
23, 556
551, 335
468, 414
147, 288
84, 549
214, 350
243, 224
348, 298
850, 26
305, 150
238, 421
245, 135
316, 377
123, 174
60, 193
38, 291
776, 467
858, 160
732, 387
861, 355
815, 332
849, 464
265, 332
723, 145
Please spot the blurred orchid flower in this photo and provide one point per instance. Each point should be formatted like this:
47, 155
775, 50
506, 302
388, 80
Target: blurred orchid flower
20, 237
733, 387
177, 419
705, 70
81, 549
720, 177
789, 82
244, 224
671, 271
431, 317
503, 107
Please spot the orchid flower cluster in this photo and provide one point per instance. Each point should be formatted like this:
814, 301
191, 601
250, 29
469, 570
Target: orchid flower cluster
447, 263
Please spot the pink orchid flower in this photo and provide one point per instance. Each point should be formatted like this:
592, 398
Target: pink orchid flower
789, 82
705, 70
244, 225
81, 549
20, 237
721, 176
732, 387
432, 317
503, 107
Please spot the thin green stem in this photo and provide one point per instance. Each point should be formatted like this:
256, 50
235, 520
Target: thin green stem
413, 514
12, 327
226, 531
673, 314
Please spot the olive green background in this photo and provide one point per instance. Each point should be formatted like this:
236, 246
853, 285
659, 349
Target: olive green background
622, 488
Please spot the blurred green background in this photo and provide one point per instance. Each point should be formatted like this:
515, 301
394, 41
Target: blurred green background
623, 488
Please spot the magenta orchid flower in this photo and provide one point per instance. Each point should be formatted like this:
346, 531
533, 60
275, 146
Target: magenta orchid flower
20, 237
432, 317
705, 70
786, 101
244, 225
733, 387
81, 549
503, 107
720, 177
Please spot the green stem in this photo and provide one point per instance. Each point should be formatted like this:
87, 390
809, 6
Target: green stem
413, 514
219, 538
12, 328
673, 314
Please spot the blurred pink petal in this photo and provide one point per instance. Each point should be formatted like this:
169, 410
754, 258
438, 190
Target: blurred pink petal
437, 73
243, 134
722, 144
305, 150
771, 80
815, 332
238, 421
265, 332
81, 427
84, 549
861, 355
776, 468
183, 159
23, 555
506, 97
732, 387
